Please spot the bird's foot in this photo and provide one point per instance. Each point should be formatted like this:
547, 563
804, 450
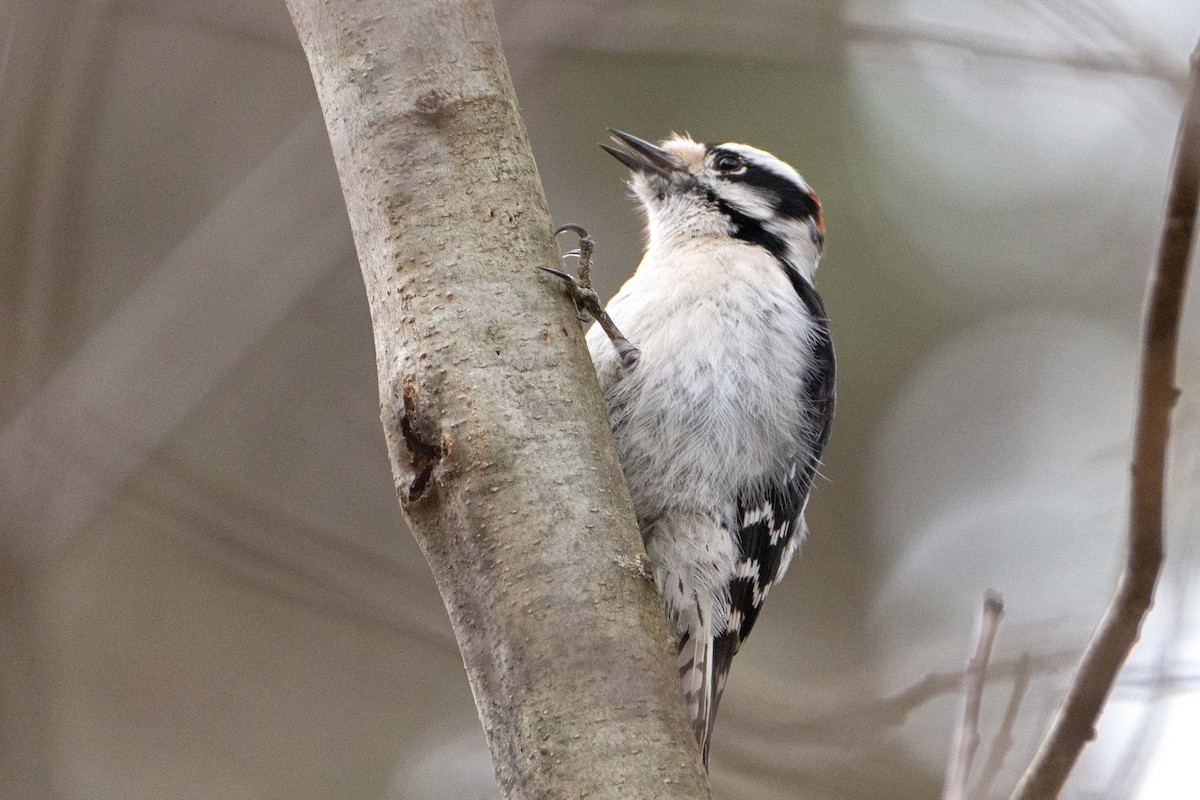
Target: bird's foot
586, 300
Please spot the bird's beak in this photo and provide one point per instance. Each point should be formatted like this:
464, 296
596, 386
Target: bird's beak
640, 155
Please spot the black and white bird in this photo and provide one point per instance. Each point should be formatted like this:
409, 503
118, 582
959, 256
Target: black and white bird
721, 423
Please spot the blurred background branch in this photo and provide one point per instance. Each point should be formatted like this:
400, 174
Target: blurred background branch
208, 590
1003, 741
1075, 723
966, 734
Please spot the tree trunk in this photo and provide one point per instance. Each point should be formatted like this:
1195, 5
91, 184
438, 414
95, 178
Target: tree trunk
502, 456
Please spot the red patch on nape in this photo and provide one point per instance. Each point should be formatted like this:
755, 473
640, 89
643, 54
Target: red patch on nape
820, 219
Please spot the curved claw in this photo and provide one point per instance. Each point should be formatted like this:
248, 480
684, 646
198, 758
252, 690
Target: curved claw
559, 273
587, 303
578, 230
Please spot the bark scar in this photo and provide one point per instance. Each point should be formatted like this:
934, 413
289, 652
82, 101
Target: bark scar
434, 104
425, 455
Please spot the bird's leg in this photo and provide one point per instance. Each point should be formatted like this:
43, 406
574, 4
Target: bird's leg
586, 299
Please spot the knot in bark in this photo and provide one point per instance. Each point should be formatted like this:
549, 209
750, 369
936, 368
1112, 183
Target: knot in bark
424, 454
434, 104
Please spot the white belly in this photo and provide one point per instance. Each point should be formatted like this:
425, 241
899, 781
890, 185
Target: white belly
716, 403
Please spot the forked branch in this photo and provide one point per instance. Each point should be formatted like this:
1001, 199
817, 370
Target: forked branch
1074, 724
966, 741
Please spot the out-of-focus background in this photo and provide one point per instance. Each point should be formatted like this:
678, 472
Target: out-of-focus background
207, 591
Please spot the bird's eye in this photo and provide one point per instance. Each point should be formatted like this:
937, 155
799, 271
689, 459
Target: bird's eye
727, 162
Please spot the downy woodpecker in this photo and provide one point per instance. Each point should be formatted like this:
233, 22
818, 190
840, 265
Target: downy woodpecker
721, 421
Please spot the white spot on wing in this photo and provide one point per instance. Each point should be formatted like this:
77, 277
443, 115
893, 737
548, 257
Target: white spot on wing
754, 516
792, 545
746, 568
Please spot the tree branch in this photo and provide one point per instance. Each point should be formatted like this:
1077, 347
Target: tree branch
1074, 724
1004, 736
500, 447
867, 716
958, 769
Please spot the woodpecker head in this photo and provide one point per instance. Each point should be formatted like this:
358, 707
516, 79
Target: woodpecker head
693, 190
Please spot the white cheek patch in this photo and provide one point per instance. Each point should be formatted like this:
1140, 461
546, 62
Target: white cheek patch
746, 199
797, 234
790, 229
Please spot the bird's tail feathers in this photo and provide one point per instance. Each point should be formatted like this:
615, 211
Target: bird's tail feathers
703, 667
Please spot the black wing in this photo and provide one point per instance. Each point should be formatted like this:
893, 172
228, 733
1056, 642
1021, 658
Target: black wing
769, 521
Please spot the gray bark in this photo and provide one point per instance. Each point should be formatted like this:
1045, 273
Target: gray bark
503, 460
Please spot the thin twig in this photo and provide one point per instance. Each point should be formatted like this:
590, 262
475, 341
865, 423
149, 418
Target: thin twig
1075, 723
849, 721
1003, 742
958, 770
758, 743
895, 708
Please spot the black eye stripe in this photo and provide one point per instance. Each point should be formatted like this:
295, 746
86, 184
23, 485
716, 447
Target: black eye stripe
751, 230
788, 199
